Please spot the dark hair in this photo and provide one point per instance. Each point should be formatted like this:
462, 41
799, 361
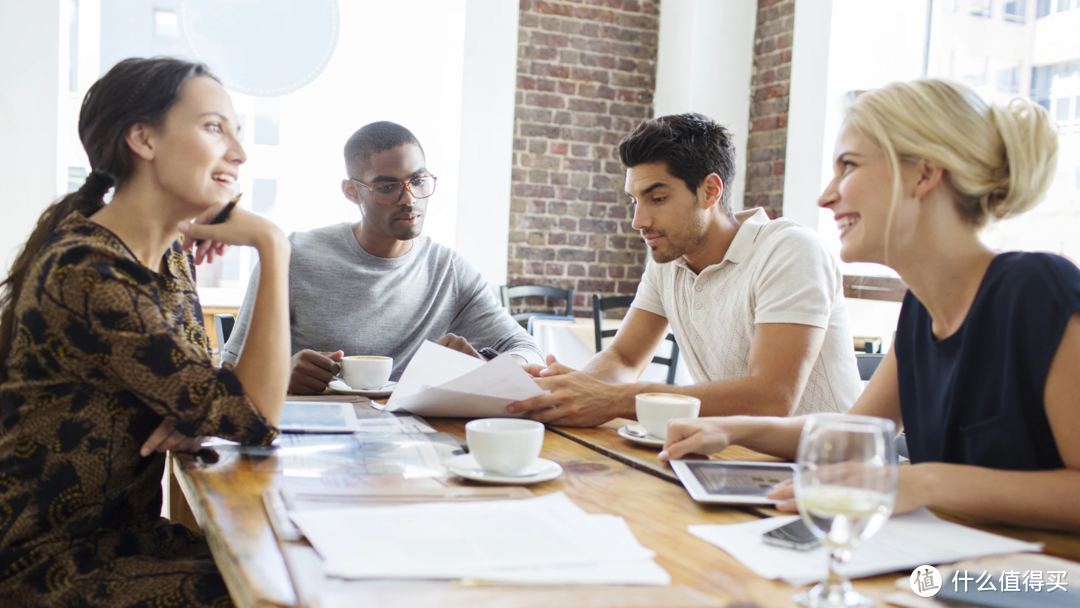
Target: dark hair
692, 146
373, 138
134, 91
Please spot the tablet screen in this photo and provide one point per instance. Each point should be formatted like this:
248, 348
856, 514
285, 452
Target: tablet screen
737, 479
306, 416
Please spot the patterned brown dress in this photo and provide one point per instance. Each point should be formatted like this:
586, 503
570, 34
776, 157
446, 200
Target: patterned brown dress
104, 350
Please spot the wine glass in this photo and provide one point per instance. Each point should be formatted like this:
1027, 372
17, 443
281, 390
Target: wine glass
845, 486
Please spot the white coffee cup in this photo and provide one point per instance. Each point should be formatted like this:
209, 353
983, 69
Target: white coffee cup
366, 373
655, 409
505, 446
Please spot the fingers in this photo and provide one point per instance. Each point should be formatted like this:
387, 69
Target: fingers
555, 369
540, 402
680, 442
201, 250
165, 437
533, 369
784, 490
314, 360
552, 415
159, 435
313, 371
301, 382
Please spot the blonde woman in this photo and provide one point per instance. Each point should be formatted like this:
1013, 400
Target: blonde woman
983, 372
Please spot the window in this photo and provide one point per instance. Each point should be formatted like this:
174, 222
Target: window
1013, 10
1054, 224
981, 8
76, 177
167, 34
1008, 80
263, 195
1061, 113
973, 70
293, 138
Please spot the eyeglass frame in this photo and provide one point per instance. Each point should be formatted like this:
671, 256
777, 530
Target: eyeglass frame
404, 186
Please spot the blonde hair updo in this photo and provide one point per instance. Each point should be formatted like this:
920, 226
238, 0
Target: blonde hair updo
1000, 160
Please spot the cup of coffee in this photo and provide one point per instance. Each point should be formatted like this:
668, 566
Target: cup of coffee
363, 372
505, 446
655, 409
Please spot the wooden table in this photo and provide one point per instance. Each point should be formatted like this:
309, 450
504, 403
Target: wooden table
226, 501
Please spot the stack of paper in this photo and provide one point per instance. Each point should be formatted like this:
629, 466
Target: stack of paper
546, 540
443, 382
904, 543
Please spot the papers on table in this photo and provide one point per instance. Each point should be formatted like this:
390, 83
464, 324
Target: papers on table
440, 381
904, 543
546, 540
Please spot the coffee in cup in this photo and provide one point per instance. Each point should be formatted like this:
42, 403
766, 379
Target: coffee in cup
505, 446
364, 372
655, 409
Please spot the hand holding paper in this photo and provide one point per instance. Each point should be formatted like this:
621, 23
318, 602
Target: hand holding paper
443, 382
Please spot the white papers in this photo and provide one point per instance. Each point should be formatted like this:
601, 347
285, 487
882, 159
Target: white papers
905, 542
546, 540
440, 381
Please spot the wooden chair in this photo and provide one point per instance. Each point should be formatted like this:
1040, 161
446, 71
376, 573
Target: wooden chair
599, 305
223, 325
507, 293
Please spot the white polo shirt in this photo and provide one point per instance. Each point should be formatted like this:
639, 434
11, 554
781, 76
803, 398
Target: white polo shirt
775, 271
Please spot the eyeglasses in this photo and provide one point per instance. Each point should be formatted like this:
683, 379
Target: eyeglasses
390, 193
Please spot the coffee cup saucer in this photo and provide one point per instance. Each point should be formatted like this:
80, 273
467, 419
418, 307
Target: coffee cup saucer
649, 440
466, 466
338, 386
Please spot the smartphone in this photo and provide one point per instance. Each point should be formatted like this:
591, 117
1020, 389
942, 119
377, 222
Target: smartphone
792, 536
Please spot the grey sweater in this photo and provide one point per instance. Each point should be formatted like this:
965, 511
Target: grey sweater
343, 298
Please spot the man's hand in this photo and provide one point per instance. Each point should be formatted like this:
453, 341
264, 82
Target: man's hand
312, 371
459, 344
554, 368
576, 399
694, 436
165, 437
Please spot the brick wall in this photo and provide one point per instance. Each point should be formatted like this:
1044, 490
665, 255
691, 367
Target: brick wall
586, 75
769, 84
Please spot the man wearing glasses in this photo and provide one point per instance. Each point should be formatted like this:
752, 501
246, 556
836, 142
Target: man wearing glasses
377, 287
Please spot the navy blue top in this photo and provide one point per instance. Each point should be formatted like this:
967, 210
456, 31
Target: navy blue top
976, 397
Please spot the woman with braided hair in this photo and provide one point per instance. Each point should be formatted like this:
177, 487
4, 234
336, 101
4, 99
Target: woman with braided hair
106, 361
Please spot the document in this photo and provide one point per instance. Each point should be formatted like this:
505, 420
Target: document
904, 543
545, 540
440, 381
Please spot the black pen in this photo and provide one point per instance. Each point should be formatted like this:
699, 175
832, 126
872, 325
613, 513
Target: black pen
223, 214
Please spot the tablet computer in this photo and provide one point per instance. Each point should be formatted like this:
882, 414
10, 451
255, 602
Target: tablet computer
318, 417
731, 481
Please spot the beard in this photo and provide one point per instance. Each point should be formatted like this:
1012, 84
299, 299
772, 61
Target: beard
689, 236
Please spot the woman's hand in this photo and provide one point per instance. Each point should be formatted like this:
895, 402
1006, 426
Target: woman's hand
241, 228
909, 494
165, 437
687, 436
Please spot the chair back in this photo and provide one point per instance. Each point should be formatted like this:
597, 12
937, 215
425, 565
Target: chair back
599, 305
507, 293
868, 363
223, 325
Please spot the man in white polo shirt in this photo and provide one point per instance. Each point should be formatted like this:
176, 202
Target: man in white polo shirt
756, 305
